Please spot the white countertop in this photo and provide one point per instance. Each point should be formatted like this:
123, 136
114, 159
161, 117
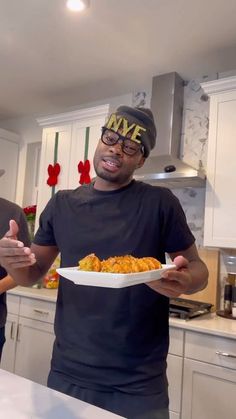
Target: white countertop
208, 323
23, 399
37, 293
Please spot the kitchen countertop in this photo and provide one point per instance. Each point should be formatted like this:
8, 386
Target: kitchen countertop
37, 293
207, 323
24, 399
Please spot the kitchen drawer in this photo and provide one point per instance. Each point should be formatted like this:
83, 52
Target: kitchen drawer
176, 341
37, 309
13, 304
211, 349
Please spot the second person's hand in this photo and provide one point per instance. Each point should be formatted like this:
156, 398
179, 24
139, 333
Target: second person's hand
13, 253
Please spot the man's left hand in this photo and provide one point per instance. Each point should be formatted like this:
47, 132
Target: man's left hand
174, 282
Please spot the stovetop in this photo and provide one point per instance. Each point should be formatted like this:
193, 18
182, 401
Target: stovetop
188, 309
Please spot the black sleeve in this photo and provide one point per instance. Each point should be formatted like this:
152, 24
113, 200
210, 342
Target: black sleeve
45, 233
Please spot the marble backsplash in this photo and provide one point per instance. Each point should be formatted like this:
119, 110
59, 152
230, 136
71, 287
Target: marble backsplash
194, 152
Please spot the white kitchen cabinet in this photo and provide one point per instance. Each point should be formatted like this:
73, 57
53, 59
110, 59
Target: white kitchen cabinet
175, 371
29, 338
68, 138
209, 391
9, 152
220, 207
8, 355
209, 381
34, 349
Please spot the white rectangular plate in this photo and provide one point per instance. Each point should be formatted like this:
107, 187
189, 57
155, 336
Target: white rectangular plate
111, 280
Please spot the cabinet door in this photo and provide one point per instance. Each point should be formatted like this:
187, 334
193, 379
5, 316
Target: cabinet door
56, 146
208, 391
85, 137
34, 349
8, 162
220, 226
174, 375
8, 354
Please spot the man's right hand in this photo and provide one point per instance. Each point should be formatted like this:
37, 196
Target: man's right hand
13, 254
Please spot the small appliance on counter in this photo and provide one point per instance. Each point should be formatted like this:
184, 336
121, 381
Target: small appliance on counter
188, 309
229, 309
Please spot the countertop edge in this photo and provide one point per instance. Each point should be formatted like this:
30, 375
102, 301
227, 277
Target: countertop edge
37, 293
210, 324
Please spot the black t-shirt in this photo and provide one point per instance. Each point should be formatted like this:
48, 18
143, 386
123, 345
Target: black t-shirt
106, 338
10, 211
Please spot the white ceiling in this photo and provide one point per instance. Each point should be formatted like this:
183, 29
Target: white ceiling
52, 59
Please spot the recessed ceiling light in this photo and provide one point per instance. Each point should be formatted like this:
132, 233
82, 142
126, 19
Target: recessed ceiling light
77, 5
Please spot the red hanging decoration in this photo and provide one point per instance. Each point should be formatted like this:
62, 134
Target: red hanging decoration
84, 169
53, 172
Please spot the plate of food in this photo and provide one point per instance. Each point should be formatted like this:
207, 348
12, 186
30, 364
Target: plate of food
115, 272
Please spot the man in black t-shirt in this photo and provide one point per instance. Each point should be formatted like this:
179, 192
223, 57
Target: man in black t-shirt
111, 344
9, 211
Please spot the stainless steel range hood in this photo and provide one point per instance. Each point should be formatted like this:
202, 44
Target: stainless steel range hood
164, 167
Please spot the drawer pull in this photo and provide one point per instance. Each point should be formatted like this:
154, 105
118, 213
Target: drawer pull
44, 313
225, 354
12, 330
18, 333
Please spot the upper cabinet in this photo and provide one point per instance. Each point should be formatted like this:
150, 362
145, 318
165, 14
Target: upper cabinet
220, 208
68, 138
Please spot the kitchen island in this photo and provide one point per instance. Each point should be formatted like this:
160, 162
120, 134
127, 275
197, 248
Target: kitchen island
24, 399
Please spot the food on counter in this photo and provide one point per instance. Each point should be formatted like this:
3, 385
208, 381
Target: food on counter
51, 279
119, 264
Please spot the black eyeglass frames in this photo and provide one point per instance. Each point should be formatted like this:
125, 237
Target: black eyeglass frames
128, 146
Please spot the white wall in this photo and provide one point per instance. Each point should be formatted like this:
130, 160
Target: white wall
29, 132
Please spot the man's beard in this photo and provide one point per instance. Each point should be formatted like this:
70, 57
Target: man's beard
119, 178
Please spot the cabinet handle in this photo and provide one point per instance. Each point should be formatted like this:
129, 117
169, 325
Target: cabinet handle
225, 354
44, 313
12, 330
18, 333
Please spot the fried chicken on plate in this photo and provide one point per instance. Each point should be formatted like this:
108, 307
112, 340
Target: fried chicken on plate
119, 264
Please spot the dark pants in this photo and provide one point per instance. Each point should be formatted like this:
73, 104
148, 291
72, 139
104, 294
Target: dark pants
126, 405
2, 339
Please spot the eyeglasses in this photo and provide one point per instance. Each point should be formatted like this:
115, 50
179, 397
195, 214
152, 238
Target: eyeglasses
128, 146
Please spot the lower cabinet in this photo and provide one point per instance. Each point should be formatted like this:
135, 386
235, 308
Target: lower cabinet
209, 380
208, 392
29, 338
9, 349
34, 349
175, 371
